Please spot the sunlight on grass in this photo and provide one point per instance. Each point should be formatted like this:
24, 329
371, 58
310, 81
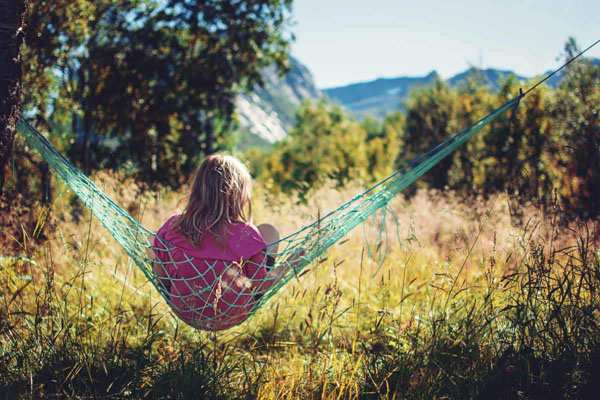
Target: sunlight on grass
468, 298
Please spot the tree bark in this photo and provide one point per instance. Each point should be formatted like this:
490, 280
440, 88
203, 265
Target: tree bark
12, 14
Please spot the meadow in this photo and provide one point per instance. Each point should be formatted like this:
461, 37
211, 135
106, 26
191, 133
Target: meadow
474, 292
475, 298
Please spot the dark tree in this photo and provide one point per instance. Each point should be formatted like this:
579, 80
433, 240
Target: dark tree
577, 114
151, 87
429, 116
11, 37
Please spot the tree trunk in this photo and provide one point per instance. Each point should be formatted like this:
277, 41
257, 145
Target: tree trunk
11, 37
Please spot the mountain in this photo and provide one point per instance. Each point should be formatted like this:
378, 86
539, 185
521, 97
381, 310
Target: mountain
268, 112
489, 77
377, 97
382, 96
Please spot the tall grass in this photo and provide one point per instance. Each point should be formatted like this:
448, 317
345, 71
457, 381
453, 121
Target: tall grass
472, 301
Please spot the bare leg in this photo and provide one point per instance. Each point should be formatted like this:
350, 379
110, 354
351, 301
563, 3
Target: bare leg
270, 234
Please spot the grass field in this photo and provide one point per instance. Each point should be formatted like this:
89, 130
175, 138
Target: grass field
475, 299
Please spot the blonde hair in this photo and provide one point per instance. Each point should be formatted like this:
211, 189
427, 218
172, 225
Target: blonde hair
221, 189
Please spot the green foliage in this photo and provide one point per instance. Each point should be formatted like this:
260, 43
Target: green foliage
550, 144
384, 141
578, 119
520, 154
138, 85
429, 120
327, 145
472, 103
324, 144
149, 85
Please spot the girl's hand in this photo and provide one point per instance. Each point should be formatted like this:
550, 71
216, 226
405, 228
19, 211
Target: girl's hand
295, 259
291, 263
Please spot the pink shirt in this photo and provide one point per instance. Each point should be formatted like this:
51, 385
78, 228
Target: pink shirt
197, 275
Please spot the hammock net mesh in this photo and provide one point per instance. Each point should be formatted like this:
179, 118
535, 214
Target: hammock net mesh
221, 296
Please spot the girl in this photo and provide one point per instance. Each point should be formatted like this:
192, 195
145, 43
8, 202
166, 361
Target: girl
213, 261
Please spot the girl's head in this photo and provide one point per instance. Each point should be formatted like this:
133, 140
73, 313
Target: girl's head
221, 190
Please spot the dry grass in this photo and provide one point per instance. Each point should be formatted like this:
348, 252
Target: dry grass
471, 301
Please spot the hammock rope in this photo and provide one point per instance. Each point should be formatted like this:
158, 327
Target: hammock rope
205, 308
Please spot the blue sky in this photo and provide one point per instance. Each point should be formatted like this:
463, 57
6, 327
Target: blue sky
346, 41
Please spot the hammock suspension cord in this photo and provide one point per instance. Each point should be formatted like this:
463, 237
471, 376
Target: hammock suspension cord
205, 309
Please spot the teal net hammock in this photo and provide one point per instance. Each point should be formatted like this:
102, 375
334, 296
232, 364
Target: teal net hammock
220, 295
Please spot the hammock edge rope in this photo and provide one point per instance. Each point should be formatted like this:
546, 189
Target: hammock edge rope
304, 245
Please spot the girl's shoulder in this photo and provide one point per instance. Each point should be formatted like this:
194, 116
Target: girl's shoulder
169, 233
245, 239
167, 229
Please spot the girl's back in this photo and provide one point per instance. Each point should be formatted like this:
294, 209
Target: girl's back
211, 285
213, 263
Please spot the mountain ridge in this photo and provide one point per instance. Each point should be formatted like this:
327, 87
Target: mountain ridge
398, 88
268, 112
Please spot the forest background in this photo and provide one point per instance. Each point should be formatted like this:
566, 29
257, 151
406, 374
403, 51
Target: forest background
142, 90
128, 87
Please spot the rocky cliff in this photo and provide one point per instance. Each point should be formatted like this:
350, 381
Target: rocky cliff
268, 112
